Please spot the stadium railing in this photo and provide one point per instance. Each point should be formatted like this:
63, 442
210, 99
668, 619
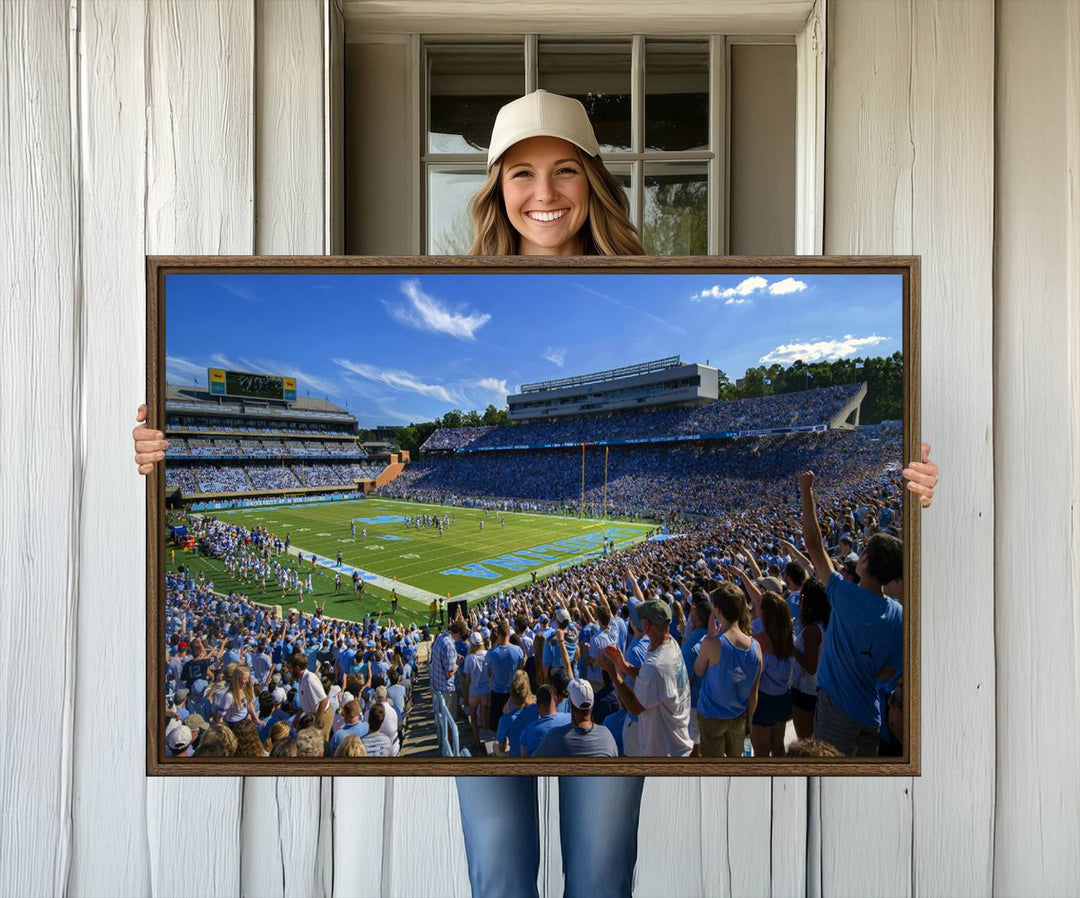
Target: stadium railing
449, 741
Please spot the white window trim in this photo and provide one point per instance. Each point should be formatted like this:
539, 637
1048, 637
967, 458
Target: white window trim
809, 136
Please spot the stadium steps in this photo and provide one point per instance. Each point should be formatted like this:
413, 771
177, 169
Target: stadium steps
421, 738
390, 472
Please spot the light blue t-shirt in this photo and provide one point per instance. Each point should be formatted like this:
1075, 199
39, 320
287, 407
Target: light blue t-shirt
794, 601
635, 657
552, 653
359, 729
690, 651
503, 660
478, 672
512, 734
534, 733
865, 634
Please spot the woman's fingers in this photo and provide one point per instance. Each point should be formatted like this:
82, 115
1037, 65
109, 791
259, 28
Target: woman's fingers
150, 444
925, 493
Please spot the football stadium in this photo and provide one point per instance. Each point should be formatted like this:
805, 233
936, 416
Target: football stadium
288, 534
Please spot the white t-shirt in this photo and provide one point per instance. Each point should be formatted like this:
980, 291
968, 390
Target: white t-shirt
663, 690
390, 721
311, 692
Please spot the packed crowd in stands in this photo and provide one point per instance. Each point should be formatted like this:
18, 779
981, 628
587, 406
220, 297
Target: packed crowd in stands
698, 478
807, 408
770, 598
220, 479
703, 644
272, 477
246, 680
287, 429
706, 642
180, 448
246, 478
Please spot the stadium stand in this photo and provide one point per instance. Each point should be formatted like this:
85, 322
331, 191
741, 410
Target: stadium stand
268, 454
810, 408
722, 477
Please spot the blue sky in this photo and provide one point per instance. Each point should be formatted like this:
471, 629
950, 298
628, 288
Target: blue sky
403, 348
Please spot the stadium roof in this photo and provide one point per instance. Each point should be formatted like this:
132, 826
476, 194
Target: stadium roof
600, 376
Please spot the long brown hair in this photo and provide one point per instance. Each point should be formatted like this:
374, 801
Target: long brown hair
607, 231
776, 621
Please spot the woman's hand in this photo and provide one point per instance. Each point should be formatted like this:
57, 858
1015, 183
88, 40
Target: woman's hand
150, 445
922, 477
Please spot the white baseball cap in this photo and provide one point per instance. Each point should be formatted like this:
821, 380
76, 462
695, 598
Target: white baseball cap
541, 114
581, 694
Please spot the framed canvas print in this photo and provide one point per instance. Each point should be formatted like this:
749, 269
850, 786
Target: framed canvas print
533, 516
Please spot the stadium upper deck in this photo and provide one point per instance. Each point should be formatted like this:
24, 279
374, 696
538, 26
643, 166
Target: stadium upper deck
660, 383
229, 446
809, 410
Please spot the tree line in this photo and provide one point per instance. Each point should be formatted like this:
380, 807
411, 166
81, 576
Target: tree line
884, 379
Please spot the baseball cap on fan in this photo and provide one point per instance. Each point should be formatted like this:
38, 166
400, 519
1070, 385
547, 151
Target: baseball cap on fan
581, 694
541, 114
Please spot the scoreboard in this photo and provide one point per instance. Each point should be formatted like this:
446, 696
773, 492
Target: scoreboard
247, 385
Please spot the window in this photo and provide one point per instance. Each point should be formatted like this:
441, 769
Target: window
658, 106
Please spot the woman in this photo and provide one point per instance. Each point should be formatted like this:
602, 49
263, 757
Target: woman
773, 710
248, 743
814, 617
729, 665
477, 678
520, 710
237, 703
547, 193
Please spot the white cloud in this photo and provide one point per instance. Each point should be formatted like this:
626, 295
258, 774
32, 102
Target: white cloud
398, 380
618, 302
820, 350
787, 285
388, 411
424, 312
745, 287
181, 372
556, 355
738, 295
262, 367
229, 283
220, 360
492, 385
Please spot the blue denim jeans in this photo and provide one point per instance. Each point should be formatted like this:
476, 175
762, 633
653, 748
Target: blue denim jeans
598, 823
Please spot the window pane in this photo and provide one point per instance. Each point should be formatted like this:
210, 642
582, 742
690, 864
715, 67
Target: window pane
466, 87
449, 191
623, 174
676, 209
597, 74
676, 95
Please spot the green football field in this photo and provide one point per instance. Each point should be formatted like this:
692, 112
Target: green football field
467, 561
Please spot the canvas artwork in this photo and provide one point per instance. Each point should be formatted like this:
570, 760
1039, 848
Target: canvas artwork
559, 517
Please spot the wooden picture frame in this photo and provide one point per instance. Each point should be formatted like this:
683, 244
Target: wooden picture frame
697, 270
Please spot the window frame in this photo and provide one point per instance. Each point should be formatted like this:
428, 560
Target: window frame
810, 122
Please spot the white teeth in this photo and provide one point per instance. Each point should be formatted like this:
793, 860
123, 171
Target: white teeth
547, 216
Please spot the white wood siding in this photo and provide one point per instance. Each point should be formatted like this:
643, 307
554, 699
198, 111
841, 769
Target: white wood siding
909, 149
131, 127
1037, 450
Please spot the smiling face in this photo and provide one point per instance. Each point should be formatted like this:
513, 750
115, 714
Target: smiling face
546, 194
